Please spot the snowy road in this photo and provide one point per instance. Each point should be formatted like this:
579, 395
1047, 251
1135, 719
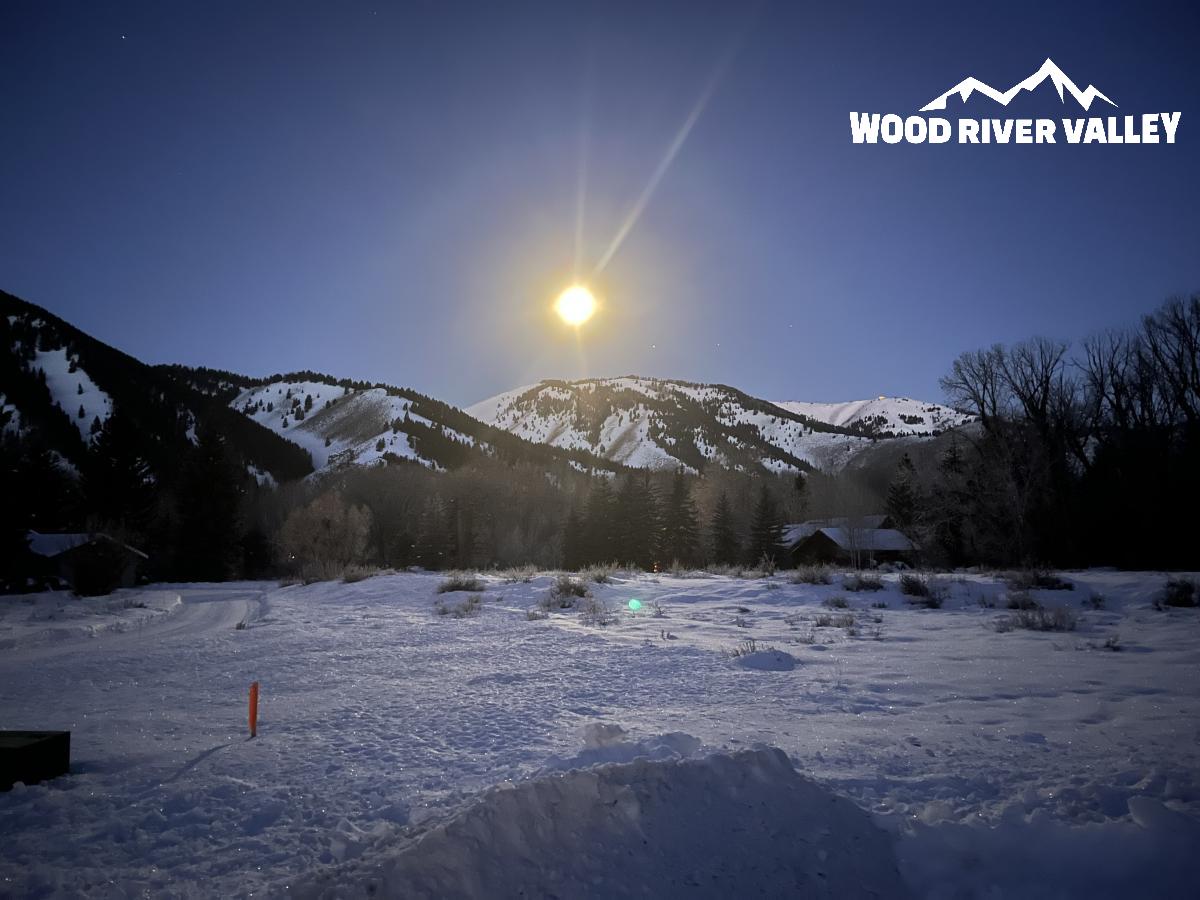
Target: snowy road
204, 611
975, 747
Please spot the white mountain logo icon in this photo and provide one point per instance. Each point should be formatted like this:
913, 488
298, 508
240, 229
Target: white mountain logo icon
968, 85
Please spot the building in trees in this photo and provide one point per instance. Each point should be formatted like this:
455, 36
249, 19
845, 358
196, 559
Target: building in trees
854, 547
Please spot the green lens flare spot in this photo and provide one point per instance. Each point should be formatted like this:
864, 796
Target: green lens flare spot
635, 605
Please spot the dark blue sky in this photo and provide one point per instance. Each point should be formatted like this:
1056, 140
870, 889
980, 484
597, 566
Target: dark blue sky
389, 192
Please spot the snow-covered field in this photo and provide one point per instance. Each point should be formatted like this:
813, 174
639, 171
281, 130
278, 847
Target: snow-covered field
423, 754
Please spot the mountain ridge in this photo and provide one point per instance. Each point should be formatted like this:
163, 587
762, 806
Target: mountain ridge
668, 423
59, 386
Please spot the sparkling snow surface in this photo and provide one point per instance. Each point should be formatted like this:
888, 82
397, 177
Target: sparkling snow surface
1003, 765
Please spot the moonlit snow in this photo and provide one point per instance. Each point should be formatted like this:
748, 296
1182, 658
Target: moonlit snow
672, 753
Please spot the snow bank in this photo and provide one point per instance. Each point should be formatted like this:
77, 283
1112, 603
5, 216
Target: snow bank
767, 661
726, 825
605, 743
27, 619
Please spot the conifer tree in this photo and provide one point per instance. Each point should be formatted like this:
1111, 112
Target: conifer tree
725, 545
118, 484
680, 531
432, 549
903, 496
637, 530
574, 547
599, 524
210, 511
766, 530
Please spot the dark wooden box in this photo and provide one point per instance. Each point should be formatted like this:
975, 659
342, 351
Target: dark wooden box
33, 756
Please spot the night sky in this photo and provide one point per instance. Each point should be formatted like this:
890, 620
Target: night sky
391, 192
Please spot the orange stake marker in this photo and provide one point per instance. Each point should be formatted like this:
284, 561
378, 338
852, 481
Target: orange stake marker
254, 709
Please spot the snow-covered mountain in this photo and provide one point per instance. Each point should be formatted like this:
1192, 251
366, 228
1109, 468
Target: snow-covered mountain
664, 424
883, 416
60, 387
343, 423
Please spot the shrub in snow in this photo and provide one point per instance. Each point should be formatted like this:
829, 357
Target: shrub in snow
460, 581
600, 574
861, 582
847, 622
726, 570
522, 574
460, 610
1042, 579
353, 574
766, 565
595, 612
921, 591
811, 575
1021, 600
745, 648
1178, 592
835, 603
1038, 619
679, 570
565, 593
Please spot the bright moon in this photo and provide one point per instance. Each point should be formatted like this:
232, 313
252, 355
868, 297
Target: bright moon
575, 305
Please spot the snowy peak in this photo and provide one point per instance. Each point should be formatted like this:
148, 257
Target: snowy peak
883, 416
665, 424
343, 423
1062, 83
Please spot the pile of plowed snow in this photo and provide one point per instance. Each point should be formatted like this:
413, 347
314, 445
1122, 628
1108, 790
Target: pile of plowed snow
726, 825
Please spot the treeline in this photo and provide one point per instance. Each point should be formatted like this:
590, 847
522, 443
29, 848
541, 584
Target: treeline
489, 515
1084, 455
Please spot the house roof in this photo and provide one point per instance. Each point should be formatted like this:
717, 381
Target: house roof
795, 533
869, 539
51, 545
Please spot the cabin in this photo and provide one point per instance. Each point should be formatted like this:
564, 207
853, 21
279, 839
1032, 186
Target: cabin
854, 541
91, 563
794, 534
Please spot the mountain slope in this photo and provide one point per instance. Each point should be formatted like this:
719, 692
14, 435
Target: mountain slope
664, 424
883, 416
59, 387
340, 422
